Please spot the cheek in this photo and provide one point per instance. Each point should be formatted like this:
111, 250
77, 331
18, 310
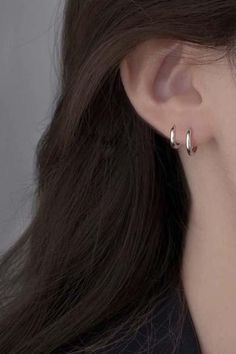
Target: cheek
225, 103
220, 85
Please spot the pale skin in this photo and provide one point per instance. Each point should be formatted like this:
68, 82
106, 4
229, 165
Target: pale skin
188, 94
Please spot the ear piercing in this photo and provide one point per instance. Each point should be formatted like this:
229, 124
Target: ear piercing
190, 148
173, 142
188, 142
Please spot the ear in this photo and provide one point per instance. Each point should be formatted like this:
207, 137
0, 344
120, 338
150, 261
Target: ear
165, 89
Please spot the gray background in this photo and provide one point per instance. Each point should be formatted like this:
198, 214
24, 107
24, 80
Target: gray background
28, 73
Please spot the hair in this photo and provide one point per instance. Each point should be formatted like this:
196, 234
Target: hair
111, 203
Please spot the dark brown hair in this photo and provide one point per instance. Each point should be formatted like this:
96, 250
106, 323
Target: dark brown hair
111, 200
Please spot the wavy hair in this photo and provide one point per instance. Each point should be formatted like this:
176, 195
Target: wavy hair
111, 203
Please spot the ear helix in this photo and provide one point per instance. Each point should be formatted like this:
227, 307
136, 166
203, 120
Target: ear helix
188, 142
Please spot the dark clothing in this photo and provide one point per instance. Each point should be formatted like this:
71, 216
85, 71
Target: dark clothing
161, 333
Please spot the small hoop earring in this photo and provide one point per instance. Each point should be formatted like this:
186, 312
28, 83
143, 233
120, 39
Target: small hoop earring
173, 142
190, 149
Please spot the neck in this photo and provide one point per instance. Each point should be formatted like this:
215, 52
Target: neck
209, 260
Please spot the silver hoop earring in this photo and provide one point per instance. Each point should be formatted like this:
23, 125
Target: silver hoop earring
173, 142
190, 149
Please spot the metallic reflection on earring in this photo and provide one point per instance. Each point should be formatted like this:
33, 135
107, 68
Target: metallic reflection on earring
173, 142
190, 149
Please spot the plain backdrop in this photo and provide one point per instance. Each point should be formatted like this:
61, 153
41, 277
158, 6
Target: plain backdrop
28, 81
